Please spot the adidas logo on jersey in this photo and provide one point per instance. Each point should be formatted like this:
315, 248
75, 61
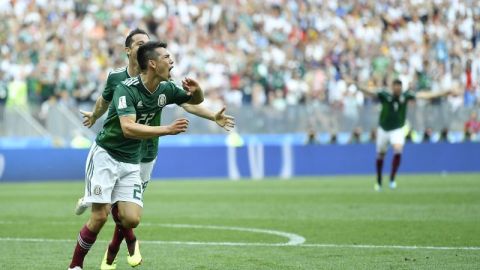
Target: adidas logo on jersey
140, 104
131, 81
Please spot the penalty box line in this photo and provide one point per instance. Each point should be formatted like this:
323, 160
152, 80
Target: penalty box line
239, 244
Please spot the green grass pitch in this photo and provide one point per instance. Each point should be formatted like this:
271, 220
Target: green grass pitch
344, 223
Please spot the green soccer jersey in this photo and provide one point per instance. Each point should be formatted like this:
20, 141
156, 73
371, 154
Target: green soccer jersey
394, 109
150, 146
131, 97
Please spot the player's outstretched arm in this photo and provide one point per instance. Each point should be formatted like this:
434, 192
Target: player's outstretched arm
367, 91
133, 130
225, 121
89, 118
362, 88
194, 90
432, 95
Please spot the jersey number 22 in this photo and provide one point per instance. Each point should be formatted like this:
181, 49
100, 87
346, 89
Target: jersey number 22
145, 118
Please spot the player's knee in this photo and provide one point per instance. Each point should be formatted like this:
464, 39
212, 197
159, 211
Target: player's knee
100, 213
130, 221
129, 214
398, 148
97, 220
99, 217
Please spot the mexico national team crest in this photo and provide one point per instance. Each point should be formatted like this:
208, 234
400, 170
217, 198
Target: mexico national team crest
162, 100
97, 190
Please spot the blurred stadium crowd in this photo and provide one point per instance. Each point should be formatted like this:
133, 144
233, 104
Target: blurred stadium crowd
273, 53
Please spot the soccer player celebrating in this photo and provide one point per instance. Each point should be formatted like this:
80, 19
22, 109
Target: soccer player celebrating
113, 170
134, 40
392, 119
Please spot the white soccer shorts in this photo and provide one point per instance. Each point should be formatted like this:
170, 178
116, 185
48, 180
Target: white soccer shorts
384, 138
109, 181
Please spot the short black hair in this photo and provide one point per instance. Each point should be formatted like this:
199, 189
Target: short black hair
136, 31
147, 52
397, 81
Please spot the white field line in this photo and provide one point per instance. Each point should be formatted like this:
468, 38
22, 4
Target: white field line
386, 247
293, 239
188, 243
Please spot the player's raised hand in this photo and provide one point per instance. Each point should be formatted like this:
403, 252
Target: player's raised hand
178, 126
190, 85
455, 92
88, 118
224, 120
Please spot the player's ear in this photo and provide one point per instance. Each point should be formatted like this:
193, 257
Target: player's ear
128, 51
152, 63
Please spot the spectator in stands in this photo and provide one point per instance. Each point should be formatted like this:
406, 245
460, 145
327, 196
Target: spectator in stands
427, 135
470, 85
279, 53
356, 135
275, 38
311, 137
444, 135
472, 126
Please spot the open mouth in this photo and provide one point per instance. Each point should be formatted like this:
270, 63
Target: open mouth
170, 72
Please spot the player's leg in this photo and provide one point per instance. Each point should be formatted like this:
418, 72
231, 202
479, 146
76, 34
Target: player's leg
135, 257
99, 182
129, 215
379, 167
109, 262
120, 232
88, 233
381, 147
397, 140
128, 196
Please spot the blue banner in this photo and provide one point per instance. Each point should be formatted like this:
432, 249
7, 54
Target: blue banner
251, 161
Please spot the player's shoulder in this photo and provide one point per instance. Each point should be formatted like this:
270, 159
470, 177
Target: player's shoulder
167, 86
167, 83
384, 90
409, 92
118, 73
129, 86
118, 70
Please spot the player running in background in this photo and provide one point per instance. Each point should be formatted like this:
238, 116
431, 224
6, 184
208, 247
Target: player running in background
113, 164
134, 40
392, 120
